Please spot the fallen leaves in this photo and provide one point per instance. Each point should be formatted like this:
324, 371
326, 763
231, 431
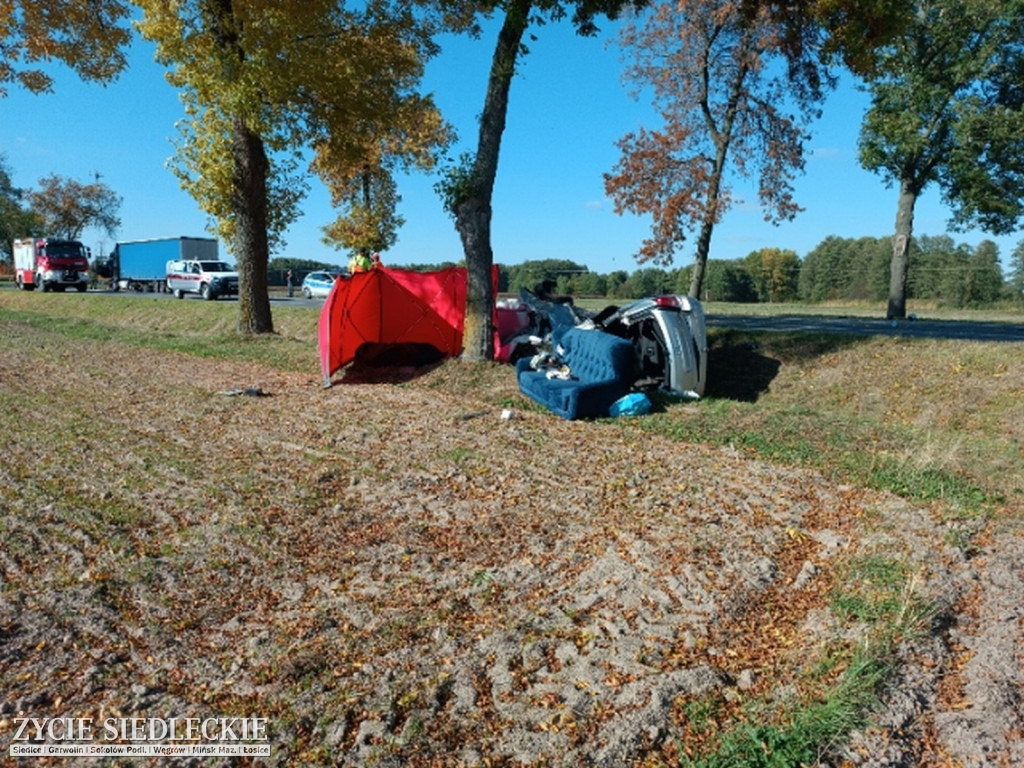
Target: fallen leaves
435, 584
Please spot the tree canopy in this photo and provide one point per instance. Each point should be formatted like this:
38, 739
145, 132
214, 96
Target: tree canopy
87, 35
372, 221
65, 207
723, 104
264, 84
15, 219
1016, 276
947, 108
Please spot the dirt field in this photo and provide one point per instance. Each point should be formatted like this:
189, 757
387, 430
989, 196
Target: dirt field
395, 575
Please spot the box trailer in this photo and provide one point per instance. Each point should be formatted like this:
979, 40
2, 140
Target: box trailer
141, 265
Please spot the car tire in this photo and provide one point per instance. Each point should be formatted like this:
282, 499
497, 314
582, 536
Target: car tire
205, 292
307, 293
179, 294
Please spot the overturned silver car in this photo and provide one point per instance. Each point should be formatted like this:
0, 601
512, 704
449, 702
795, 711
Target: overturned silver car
670, 339
668, 335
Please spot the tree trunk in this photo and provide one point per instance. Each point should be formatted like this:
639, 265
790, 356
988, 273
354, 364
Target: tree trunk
251, 245
900, 264
365, 251
473, 213
722, 137
707, 225
700, 261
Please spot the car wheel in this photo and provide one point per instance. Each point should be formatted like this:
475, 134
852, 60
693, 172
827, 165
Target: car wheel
205, 292
179, 294
307, 293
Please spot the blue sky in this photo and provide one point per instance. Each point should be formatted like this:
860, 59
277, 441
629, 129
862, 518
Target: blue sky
567, 109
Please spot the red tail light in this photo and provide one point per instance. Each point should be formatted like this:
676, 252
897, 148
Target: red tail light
669, 302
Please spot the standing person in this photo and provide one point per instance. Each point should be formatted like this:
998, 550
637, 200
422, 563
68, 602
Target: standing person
359, 262
290, 282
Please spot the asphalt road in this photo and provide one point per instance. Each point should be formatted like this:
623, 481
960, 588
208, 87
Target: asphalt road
968, 330
275, 298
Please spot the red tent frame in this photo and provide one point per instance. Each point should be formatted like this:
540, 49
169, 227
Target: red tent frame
391, 306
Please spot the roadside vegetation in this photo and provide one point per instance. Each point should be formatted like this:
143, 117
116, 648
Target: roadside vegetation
930, 420
939, 423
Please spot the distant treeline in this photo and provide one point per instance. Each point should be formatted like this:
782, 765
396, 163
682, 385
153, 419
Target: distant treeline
838, 269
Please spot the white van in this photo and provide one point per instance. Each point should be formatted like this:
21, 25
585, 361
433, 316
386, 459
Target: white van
210, 279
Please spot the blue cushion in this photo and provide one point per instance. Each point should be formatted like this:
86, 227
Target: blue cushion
602, 371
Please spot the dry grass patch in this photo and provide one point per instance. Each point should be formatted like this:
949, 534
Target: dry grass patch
395, 575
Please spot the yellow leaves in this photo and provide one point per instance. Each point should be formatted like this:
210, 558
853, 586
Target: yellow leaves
87, 36
295, 74
558, 722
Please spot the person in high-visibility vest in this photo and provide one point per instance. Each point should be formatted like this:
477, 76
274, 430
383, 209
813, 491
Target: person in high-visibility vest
359, 263
363, 263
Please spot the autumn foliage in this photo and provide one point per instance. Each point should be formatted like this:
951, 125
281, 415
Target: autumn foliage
733, 92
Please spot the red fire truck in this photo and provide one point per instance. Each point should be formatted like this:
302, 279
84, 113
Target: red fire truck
51, 265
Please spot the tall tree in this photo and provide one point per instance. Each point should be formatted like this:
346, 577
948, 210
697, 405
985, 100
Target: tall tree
264, 81
65, 207
87, 35
984, 275
716, 71
844, 268
947, 107
1016, 274
726, 281
775, 273
15, 219
371, 222
467, 189
938, 268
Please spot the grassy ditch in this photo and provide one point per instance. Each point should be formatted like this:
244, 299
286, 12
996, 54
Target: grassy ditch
191, 326
930, 420
156, 516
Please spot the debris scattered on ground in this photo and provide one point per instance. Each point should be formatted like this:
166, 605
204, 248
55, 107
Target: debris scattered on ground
247, 391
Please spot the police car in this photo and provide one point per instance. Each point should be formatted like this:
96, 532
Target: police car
317, 284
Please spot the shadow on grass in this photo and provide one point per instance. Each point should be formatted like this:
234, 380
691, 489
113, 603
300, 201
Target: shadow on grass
743, 364
391, 363
739, 372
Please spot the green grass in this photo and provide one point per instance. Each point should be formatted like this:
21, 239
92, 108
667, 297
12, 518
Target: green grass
202, 329
799, 436
873, 590
910, 417
804, 734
